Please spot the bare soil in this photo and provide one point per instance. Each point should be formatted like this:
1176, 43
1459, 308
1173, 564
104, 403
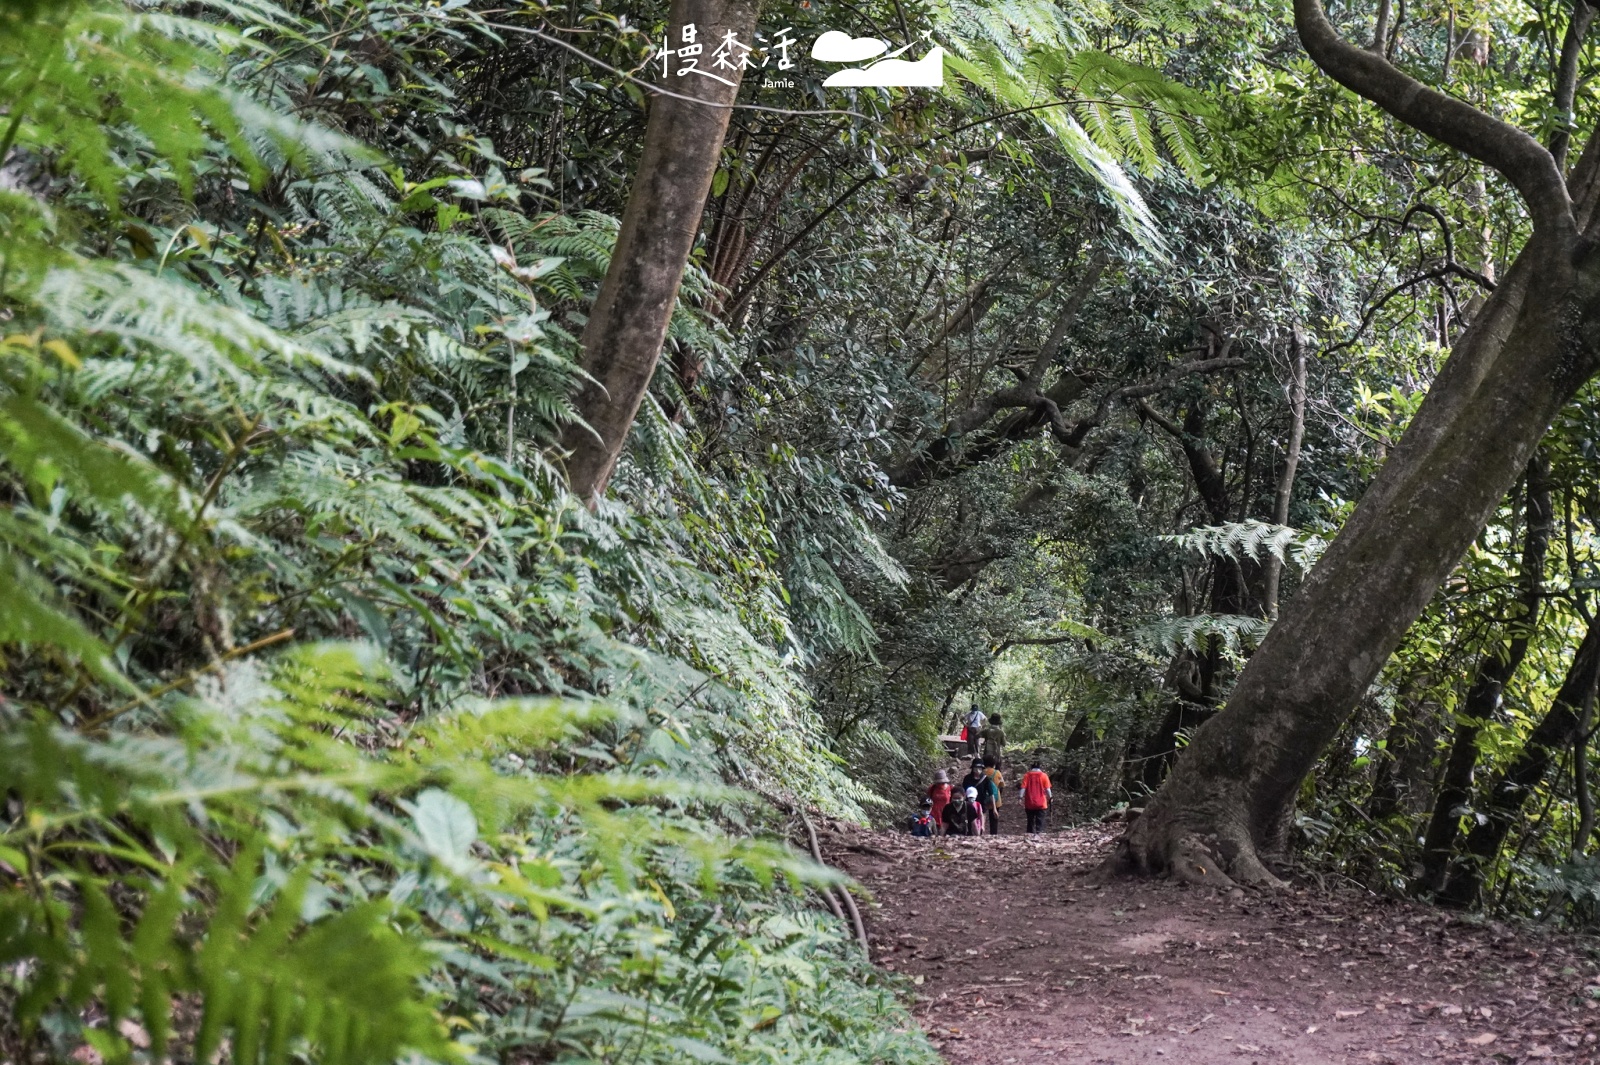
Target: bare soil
1019, 951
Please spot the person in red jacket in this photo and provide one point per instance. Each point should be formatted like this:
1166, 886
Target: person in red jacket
1036, 794
939, 792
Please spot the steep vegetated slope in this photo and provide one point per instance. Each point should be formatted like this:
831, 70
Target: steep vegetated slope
333, 727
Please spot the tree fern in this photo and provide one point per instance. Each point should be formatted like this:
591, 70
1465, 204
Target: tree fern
1105, 113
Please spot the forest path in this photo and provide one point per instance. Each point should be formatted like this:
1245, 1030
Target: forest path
1022, 956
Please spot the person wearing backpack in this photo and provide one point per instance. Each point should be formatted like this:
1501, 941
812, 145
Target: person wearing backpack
974, 778
989, 798
1036, 794
974, 724
922, 820
993, 738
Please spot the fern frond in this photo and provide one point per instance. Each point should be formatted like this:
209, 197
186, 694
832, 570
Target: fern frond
1248, 539
1236, 632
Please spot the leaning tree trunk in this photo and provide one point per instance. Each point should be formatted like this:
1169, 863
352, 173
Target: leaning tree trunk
1502, 806
1495, 670
1533, 345
628, 322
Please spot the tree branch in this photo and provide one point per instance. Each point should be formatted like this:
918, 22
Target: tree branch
742, 297
1523, 161
1035, 409
1441, 271
1380, 31
966, 314
1566, 88
1032, 641
1173, 429
1068, 317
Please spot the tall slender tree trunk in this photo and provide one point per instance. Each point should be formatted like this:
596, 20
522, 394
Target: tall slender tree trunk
1502, 805
1229, 594
1495, 670
628, 322
1291, 465
1533, 345
1400, 782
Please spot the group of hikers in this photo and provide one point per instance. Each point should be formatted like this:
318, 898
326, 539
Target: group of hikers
972, 807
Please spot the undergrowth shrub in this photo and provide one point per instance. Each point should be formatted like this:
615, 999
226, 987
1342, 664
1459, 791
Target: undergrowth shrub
333, 729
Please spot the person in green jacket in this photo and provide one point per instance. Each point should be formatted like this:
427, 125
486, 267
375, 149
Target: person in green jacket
994, 742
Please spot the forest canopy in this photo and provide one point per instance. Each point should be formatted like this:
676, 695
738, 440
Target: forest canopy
474, 493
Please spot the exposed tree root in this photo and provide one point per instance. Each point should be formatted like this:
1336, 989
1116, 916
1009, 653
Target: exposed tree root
1217, 860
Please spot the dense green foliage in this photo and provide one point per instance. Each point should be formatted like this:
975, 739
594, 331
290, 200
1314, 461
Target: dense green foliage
313, 669
279, 366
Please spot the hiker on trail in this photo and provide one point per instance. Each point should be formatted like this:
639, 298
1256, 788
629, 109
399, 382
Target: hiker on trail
1036, 794
989, 797
939, 796
973, 725
922, 820
959, 815
994, 742
975, 775
975, 802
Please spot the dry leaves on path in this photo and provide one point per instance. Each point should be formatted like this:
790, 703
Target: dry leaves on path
1019, 955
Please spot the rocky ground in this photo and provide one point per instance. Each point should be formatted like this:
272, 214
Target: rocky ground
1021, 953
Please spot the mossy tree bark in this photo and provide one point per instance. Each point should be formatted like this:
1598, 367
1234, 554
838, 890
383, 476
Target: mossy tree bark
1534, 343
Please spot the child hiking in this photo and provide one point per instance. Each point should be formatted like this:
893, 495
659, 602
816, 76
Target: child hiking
1036, 794
922, 822
959, 815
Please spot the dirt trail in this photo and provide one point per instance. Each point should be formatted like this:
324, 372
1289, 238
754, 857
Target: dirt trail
1021, 956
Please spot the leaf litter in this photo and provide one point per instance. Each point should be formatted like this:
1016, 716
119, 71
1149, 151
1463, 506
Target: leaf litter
1018, 951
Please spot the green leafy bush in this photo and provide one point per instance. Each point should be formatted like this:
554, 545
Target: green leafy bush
334, 730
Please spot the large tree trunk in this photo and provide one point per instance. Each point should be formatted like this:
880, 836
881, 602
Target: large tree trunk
1498, 665
1532, 346
628, 323
1502, 806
